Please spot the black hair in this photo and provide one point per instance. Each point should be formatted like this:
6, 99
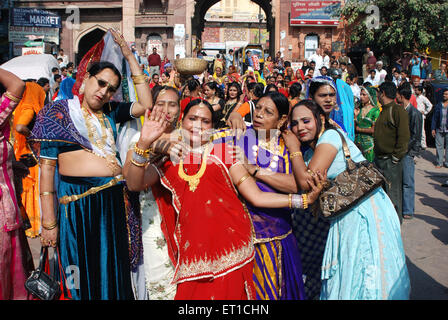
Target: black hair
256, 88
57, 76
192, 84
317, 112
157, 89
238, 88
315, 85
167, 74
405, 90
280, 101
270, 86
70, 64
389, 89
54, 69
199, 101
99, 66
42, 81
213, 85
154, 74
295, 90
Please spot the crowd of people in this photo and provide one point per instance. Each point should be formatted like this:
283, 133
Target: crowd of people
219, 182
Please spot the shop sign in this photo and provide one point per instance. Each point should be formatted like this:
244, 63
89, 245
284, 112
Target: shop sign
314, 13
34, 18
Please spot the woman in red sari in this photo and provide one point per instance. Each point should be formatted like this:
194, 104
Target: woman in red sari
213, 232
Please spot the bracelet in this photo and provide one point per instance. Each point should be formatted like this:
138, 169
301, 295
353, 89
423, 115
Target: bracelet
142, 152
138, 158
138, 164
47, 193
305, 200
247, 175
256, 171
290, 200
12, 97
50, 227
295, 154
297, 202
140, 78
48, 162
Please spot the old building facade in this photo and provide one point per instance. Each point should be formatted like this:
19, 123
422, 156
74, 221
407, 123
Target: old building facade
175, 26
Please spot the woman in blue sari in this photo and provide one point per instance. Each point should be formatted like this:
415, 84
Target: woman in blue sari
77, 147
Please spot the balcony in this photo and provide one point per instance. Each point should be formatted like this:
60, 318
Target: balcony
153, 20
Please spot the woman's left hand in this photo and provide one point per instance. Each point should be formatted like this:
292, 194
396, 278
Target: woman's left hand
119, 39
316, 185
291, 141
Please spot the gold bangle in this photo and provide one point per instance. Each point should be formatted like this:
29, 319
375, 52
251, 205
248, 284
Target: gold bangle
50, 227
142, 152
290, 200
305, 200
12, 97
295, 154
47, 193
48, 162
247, 175
135, 163
140, 78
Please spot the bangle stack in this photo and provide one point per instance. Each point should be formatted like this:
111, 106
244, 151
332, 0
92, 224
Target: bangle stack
295, 154
51, 226
140, 78
305, 200
140, 157
295, 201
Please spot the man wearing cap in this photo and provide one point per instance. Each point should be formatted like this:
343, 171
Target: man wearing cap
154, 62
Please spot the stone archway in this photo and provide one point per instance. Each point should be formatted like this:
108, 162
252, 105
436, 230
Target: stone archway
87, 40
201, 7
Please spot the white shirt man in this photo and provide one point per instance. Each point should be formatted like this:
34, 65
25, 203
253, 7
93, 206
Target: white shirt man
319, 60
380, 73
424, 106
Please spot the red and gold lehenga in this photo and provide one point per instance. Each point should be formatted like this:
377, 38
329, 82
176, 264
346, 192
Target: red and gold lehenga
213, 231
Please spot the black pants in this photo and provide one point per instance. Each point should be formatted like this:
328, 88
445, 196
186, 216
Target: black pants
394, 186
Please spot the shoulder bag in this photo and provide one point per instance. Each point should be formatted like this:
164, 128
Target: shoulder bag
350, 187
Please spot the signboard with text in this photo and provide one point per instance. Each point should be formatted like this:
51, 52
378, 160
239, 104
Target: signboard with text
314, 13
34, 18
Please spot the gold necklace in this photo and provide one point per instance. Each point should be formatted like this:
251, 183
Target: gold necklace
193, 180
101, 143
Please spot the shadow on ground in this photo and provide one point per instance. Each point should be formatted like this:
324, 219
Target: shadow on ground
423, 286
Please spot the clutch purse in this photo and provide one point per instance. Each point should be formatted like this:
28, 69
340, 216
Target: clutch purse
40, 283
349, 187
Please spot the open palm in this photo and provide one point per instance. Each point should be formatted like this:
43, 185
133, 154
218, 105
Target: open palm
154, 125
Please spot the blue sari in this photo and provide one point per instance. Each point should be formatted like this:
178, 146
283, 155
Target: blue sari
95, 245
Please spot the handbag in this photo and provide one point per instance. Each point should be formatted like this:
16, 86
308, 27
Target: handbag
40, 283
349, 187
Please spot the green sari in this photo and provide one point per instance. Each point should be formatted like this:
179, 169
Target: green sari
364, 140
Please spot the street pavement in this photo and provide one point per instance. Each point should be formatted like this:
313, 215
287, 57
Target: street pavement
425, 237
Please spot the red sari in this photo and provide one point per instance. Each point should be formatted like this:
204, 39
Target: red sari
213, 231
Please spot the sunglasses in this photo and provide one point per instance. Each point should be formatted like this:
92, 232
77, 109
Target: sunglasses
103, 84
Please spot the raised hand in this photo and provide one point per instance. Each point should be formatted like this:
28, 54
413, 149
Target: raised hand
154, 126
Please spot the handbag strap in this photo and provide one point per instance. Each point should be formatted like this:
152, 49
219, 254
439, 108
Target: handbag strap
346, 151
43, 257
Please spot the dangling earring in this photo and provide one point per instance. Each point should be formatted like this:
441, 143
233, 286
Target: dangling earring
82, 88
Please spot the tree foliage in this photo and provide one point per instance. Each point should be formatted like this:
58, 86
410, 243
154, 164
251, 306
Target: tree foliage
395, 25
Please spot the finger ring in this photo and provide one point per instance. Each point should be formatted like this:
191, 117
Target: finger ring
319, 185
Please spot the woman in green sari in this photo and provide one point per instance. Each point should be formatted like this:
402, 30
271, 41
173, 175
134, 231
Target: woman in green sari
365, 120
